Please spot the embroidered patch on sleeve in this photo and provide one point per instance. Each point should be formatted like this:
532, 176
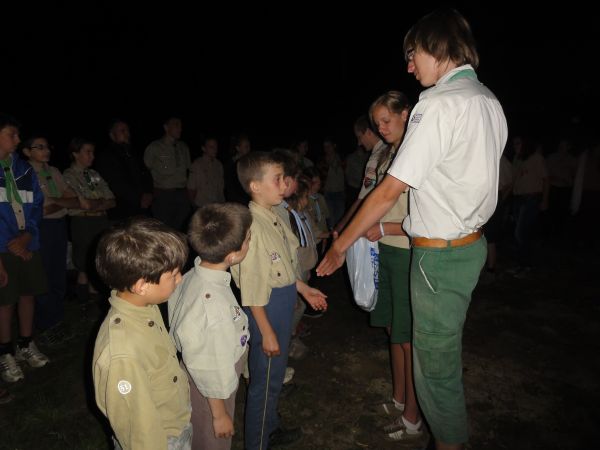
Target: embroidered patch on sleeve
124, 387
416, 118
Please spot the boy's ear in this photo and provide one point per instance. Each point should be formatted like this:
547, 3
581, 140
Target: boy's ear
140, 287
232, 259
254, 186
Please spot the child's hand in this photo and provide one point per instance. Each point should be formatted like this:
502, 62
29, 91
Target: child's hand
223, 426
270, 345
84, 204
374, 233
18, 245
313, 296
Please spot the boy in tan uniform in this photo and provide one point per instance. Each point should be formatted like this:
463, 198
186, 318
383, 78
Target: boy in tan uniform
138, 382
268, 281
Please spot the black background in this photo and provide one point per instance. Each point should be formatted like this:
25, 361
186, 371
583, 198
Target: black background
275, 72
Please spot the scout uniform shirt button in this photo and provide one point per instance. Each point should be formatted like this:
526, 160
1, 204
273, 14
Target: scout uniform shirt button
118, 320
278, 274
175, 379
207, 295
151, 323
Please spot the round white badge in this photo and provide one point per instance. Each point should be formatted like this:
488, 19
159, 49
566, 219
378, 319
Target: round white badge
124, 387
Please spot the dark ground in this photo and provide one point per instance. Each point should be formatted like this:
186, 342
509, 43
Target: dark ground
532, 371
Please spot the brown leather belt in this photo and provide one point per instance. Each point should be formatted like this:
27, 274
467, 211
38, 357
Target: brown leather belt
443, 243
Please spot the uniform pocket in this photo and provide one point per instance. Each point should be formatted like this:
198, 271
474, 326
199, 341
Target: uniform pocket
438, 353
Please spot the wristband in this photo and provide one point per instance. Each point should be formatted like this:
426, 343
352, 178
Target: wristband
381, 229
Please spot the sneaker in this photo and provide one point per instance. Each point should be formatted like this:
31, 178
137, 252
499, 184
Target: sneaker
312, 313
32, 355
397, 432
298, 349
9, 369
388, 409
289, 374
284, 436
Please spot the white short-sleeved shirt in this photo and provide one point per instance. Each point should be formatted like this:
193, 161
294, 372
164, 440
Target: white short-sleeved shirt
209, 328
450, 157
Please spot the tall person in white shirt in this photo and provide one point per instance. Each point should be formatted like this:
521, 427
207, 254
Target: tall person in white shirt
450, 159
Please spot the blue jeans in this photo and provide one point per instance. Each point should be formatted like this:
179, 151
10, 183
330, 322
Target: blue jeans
262, 399
49, 307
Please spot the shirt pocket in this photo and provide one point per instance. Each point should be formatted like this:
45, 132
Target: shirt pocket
279, 273
169, 386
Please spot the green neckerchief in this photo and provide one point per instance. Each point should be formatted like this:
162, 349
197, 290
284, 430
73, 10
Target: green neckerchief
45, 174
88, 180
466, 73
12, 192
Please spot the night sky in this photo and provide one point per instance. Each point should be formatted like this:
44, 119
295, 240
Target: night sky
286, 73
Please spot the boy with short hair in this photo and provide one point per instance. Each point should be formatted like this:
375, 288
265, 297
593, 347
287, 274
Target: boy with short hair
268, 282
138, 382
208, 326
21, 271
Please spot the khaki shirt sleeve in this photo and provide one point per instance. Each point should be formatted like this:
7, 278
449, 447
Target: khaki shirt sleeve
251, 275
132, 414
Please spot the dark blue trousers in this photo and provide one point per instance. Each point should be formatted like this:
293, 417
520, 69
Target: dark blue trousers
49, 307
262, 399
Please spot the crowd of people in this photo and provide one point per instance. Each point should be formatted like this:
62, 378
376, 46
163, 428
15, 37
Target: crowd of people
435, 184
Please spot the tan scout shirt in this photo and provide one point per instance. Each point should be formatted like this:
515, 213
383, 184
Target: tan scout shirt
317, 208
90, 186
168, 163
138, 383
207, 179
210, 329
61, 186
400, 209
370, 179
271, 260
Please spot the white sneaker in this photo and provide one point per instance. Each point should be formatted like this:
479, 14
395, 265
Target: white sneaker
9, 369
289, 374
32, 355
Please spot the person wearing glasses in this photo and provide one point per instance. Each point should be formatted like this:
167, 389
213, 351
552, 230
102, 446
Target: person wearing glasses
450, 159
49, 307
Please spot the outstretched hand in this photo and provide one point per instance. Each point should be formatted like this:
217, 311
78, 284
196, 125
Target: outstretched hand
332, 261
314, 297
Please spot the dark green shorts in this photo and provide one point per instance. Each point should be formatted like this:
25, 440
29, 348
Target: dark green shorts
24, 278
442, 280
393, 297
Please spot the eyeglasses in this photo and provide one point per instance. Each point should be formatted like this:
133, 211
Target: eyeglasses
42, 147
409, 55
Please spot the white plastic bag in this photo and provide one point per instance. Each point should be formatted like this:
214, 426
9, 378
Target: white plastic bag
362, 260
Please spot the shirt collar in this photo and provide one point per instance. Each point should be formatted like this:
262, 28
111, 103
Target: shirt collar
265, 213
124, 307
218, 277
379, 146
447, 77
